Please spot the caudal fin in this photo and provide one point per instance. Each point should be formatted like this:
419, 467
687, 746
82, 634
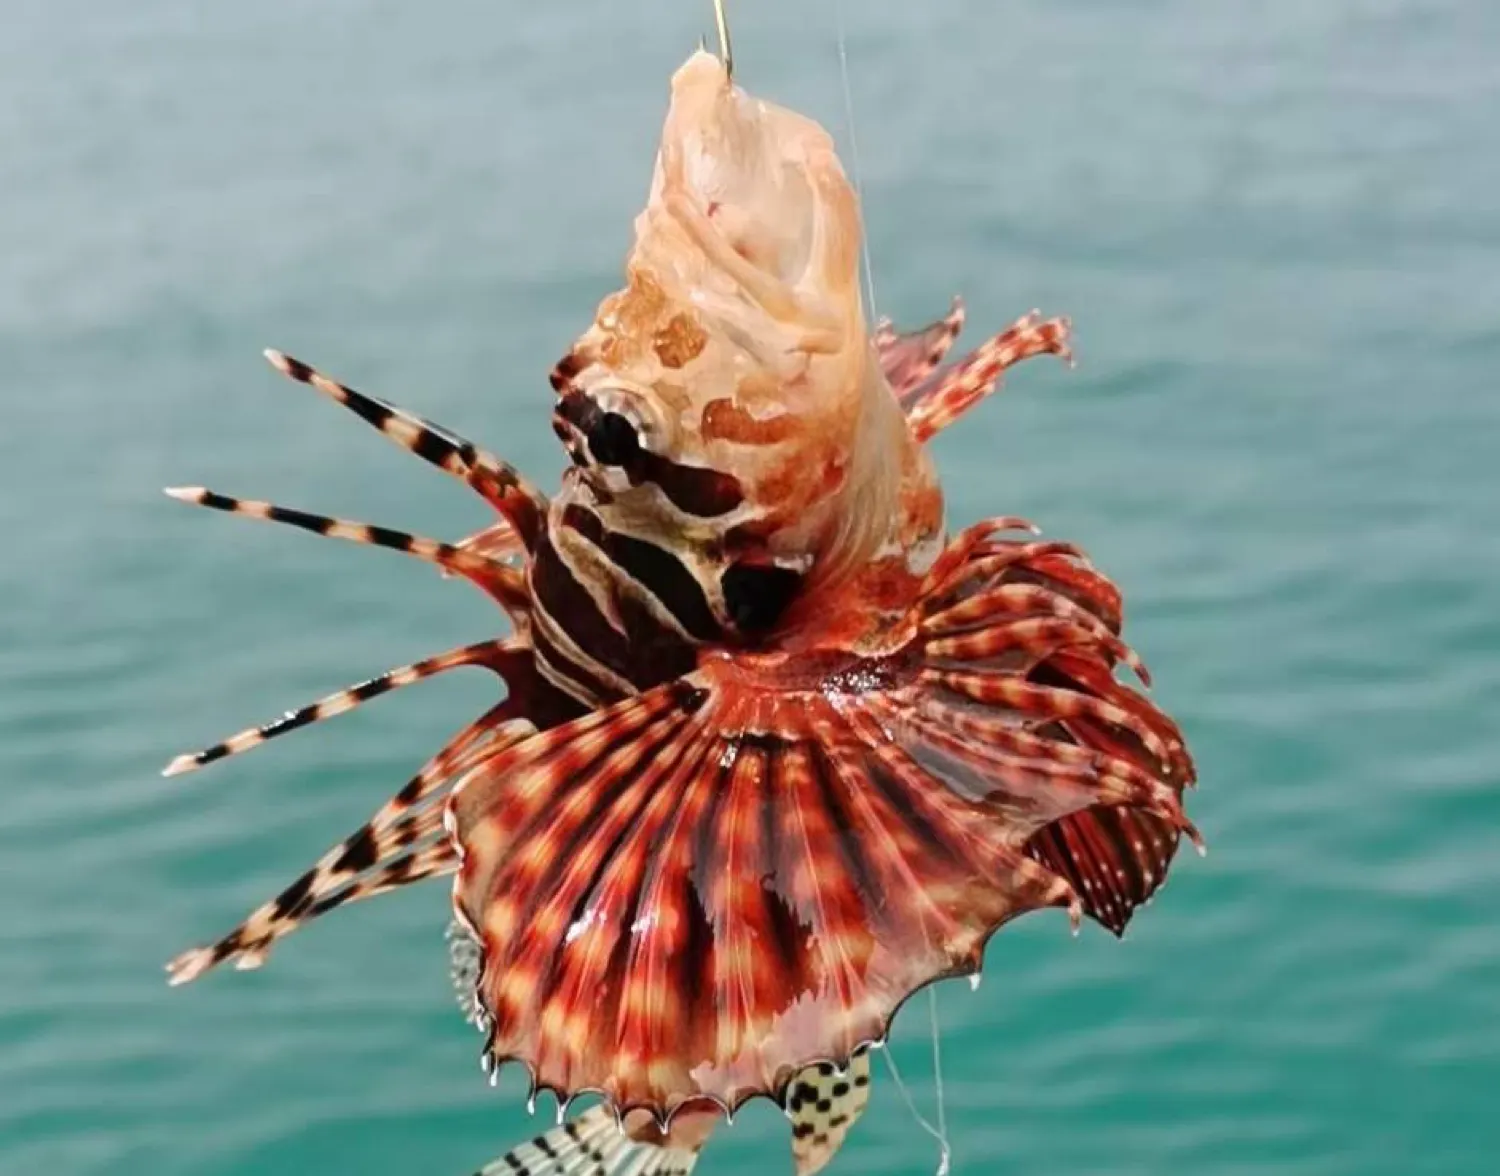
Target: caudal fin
823, 1103
590, 1145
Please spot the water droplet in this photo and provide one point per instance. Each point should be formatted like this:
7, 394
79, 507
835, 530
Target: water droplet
974, 982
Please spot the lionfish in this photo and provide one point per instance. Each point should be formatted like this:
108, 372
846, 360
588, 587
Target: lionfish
774, 749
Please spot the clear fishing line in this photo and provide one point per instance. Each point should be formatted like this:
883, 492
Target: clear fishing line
940, 1131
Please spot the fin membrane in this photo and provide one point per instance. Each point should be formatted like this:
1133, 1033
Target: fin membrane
908, 359
1115, 858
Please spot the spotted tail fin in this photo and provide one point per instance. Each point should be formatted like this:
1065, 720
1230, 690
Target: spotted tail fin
464, 962
823, 1103
591, 1145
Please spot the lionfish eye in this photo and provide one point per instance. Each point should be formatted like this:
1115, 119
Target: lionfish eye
613, 440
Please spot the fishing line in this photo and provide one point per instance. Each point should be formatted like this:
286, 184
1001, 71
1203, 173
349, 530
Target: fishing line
937, 1077
940, 1132
859, 192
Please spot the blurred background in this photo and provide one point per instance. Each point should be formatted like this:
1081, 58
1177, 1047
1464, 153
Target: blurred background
1277, 230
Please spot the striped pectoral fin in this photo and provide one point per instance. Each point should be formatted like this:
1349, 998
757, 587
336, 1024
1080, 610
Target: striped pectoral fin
505, 584
364, 864
404, 842
947, 394
520, 502
591, 1145
823, 1103
497, 656
653, 885
908, 359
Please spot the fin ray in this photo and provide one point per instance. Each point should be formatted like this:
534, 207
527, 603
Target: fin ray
403, 842
506, 584
366, 863
520, 502
493, 655
950, 392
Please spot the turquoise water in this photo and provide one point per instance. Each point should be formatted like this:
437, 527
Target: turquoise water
1276, 228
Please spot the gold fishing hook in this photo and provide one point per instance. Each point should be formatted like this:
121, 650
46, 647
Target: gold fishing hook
726, 52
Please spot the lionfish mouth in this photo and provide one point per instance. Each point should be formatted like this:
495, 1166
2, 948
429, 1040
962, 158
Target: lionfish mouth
696, 868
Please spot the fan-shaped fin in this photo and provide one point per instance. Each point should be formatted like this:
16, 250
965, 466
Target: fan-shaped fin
618, 871
950, 392
908, 359
823, 1103
506, 584
699, 891
521, 503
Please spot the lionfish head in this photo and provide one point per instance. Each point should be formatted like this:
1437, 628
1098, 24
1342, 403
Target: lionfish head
728, 397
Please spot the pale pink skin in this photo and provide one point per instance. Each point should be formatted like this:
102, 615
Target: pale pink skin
740, 343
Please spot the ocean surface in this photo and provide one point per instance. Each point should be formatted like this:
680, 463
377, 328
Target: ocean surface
1276, 227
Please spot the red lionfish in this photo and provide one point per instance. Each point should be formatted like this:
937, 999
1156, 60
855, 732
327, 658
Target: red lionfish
774, 751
